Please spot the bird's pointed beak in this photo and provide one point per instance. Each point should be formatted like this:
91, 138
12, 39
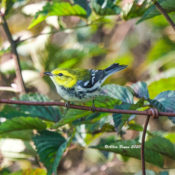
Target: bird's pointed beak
48, 73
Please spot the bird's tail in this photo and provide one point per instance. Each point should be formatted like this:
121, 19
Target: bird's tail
114, 68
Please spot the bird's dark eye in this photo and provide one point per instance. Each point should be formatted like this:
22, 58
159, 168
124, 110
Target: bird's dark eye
60, 74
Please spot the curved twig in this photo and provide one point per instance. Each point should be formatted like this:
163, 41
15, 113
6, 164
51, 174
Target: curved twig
164, 13
15, 53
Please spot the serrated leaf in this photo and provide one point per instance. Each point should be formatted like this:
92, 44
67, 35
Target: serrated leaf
10, 112
73, 114
135, 127
85, 5
137, 9
50, 147
161, 85
161, 145
59, 154
51, 113
118, 92
167, 5
40, 18
21, 134
99, 102
21, 123
121, 119
96, 121
89, 119
130, 148
167, 100
57, 9
105, 7
157, 104
140, 90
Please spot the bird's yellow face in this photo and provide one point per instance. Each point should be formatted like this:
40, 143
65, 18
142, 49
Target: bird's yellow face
63, 78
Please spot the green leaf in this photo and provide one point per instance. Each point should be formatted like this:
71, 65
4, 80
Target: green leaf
44, 112
137, 9
99, 102
21, 127
161, 145
22, 123
118, 92
157, 104
170, 136
96, 122
135, 127
167, 100
129, 148
120, 119
40, 18
21, 134
50, 147
57, 9
35, 171
140, 90
59, 154
10, 112
160, 48
105, 7
167, 5
74, 114
161, 85
84, 4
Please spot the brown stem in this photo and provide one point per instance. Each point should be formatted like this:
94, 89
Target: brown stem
62, 30
15, 54
87, 108
7, 88
164, 13
143, 145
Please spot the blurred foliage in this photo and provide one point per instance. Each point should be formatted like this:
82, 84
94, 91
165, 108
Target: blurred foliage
88, 34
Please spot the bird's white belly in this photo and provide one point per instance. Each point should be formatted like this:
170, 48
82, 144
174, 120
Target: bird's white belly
71, 96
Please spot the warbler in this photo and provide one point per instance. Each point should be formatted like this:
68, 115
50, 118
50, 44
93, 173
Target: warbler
81, 84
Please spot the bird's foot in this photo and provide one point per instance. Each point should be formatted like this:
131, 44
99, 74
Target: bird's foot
93, 108
67, 105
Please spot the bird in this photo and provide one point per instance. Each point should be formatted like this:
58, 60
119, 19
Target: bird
78, 85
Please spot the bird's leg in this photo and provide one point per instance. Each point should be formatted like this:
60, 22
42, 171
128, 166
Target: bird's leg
67, 104
93, 105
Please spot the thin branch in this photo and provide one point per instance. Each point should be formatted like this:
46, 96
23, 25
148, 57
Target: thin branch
7, 88
164, 13
87, 108
15, 53
63, 30
143, 145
